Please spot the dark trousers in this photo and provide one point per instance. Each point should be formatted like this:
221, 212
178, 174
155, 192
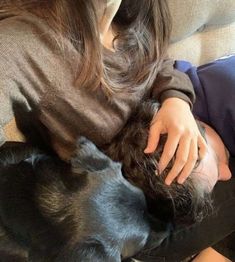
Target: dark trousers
216, 230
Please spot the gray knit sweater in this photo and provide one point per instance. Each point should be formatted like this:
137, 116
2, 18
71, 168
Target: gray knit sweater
36, 75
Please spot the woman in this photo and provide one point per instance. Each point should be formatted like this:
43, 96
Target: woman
79, 67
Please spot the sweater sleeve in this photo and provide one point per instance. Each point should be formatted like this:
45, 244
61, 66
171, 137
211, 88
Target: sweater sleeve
172, 83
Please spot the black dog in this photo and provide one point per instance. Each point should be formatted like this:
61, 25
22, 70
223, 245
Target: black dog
51, 211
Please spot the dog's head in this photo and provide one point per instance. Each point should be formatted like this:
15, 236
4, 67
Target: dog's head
94, 211
177, 203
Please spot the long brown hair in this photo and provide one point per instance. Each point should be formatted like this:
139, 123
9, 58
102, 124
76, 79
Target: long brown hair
142, 27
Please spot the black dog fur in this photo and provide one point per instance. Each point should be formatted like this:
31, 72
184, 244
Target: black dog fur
51, 211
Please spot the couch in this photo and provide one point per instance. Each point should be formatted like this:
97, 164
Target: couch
203, 30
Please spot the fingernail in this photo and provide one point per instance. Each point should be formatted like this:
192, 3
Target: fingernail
146, 150
181, 180
168, 182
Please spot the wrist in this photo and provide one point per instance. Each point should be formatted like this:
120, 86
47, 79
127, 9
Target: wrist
176, 101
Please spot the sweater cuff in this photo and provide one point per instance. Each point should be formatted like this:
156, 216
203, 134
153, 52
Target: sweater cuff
175, 93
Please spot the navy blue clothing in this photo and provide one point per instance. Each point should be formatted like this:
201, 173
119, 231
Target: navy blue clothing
214, 85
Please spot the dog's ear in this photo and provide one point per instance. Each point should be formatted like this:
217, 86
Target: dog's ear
88, 157
89, 251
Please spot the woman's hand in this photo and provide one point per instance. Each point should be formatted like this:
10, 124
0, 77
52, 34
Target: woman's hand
183, 139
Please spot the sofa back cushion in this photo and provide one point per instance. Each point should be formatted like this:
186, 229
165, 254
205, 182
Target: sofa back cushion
203, 30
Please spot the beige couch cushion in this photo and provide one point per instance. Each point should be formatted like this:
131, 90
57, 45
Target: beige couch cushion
203, 30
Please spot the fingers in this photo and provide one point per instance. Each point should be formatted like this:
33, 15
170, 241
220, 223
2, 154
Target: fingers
183, 142
191, 162
186, 158
169, 150
153, 138
181, 159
